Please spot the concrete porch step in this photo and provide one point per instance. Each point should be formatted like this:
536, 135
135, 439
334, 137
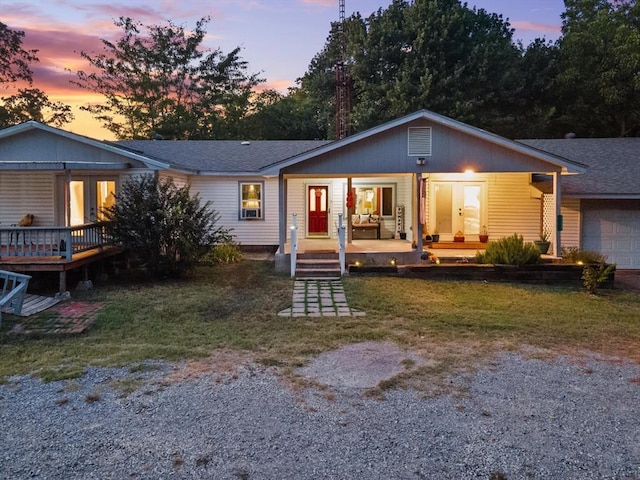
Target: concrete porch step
315, 268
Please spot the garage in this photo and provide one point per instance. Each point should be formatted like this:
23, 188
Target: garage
612, 227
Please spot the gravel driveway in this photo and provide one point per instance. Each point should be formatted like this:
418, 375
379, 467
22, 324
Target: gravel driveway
518, 419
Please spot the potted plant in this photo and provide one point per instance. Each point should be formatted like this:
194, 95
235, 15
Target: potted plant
543, 244
484, 234
459, 236
436, 234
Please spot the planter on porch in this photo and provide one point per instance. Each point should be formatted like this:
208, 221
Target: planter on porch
542, 246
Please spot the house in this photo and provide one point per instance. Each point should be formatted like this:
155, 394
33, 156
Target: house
417, 174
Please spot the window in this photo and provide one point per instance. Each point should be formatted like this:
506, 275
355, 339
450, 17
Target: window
374, 200
251, 201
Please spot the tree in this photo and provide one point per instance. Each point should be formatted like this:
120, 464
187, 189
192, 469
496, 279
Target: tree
600, 67
163, 225
28, 103
14, 60
164, 83
537, 96
33, 104
283, 117
439, 55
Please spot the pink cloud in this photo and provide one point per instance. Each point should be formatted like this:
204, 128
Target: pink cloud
280, 85
321, 3
536, 27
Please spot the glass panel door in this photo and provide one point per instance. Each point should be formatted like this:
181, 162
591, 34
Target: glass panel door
443, 200
457, 206
76, 203
105, 197
88, 197
471, 203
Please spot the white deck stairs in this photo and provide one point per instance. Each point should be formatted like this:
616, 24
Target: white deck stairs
317, 265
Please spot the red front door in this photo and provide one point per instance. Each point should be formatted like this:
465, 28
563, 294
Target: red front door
318, 201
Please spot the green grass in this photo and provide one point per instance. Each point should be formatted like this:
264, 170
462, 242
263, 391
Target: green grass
235, 307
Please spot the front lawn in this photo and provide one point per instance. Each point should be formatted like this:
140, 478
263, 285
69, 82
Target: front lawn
235, 307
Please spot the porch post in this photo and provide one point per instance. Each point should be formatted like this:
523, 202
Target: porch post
418, 216
349, 213
282, 212
557, 209
67, 198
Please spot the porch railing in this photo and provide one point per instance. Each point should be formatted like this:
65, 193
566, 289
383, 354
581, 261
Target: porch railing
51, 241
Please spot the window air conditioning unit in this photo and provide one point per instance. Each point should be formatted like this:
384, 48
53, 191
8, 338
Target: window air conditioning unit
251, 212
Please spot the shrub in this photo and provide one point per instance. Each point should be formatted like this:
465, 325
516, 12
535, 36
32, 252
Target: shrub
226, 252
510, 251
595, 274
575, 255
162, 225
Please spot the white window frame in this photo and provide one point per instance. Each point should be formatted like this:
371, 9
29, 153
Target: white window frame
255, 211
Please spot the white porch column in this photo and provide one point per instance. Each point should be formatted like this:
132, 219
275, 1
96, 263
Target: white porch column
282, 212
349, 212
67, 198
556, 234
418, 215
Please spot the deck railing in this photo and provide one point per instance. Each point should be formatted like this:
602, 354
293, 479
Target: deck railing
51, 241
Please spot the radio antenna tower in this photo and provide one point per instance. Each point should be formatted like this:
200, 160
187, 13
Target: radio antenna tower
343, 81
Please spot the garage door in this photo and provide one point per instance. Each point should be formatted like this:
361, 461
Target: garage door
613, 229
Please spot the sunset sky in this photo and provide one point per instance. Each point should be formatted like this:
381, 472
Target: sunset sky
278, 37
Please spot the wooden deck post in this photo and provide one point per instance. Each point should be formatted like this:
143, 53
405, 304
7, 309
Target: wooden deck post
62, 285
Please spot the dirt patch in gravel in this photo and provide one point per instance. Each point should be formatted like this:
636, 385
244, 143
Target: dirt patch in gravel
222, 363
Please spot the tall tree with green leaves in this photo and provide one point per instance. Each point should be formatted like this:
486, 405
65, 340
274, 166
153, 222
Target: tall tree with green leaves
433, 54
164, 82
283, 117
27, 103
600, 67
537, 96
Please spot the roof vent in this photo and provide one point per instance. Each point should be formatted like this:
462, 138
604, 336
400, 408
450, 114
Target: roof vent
157, 136
245, 143
570, 135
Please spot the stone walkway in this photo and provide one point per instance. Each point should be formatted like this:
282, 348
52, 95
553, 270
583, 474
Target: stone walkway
319, 298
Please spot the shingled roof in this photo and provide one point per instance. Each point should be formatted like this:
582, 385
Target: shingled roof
220, 156
614, 165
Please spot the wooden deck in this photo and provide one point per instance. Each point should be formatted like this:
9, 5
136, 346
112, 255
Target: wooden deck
57, 263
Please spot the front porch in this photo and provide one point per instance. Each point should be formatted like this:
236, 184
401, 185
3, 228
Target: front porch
381, 252
54, 249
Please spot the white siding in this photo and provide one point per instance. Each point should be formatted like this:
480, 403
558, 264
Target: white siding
27, 192
571, 222
224, 193
179, 179
404, 197
514, 206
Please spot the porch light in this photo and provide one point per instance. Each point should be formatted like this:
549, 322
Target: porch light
421, 161
469, 172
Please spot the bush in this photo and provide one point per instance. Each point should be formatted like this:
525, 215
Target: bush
226, 252
162, 225
595, 274
510, 251
575, 255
